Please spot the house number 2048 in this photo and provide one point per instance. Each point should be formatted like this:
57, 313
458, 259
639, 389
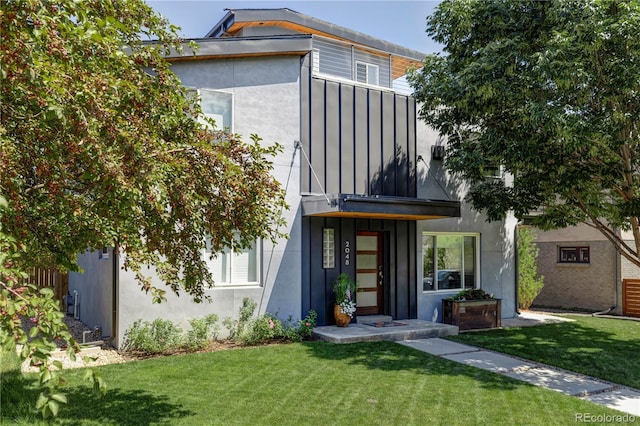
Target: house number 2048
347, 253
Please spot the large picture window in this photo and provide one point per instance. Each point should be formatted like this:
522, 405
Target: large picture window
449, 261
235, 267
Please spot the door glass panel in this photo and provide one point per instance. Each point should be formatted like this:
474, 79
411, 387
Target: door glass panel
367, 280
367, 261
368, 298
366, 243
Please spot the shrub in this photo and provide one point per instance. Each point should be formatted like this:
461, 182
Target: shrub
237, 327
529, 282
203, 331
153, 337
262, 329
307, 324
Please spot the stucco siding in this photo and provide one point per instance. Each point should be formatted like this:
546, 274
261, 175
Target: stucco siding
497, 253
266, 101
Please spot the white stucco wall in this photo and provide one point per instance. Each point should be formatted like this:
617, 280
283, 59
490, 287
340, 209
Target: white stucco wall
266, 102
497, 249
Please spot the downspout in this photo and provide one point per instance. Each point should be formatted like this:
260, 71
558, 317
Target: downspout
114, 297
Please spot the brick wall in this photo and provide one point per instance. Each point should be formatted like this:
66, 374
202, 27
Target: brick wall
629, 270
585, 286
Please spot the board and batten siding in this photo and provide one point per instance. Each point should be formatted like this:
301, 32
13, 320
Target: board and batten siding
359, 140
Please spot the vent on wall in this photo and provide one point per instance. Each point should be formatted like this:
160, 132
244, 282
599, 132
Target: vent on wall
437, 152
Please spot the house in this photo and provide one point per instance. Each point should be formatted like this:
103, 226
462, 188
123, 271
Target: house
364, 180
583, 270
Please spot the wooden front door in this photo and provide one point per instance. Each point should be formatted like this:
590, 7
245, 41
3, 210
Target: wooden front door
369, 273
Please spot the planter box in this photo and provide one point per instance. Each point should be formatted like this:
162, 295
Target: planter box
472, 314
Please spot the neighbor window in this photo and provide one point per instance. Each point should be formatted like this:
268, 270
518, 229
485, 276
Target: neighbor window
218, 106
234, 267
449, 261
367, 73
573, 255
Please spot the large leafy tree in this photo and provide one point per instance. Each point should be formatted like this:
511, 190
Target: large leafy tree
550, 92
100, 145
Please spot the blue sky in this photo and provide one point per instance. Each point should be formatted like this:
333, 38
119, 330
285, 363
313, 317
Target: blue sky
400, 22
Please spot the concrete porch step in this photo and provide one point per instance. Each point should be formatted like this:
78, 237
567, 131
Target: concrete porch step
404, 330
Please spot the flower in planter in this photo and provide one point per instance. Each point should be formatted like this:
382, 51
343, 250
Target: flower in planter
344, 288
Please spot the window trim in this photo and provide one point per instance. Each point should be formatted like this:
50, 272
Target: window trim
578, 252
476, 284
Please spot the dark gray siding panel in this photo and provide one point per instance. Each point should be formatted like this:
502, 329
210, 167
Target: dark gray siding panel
400, 264
360, 140
332, 134
362, 143
375, 143
347, 141
317, 149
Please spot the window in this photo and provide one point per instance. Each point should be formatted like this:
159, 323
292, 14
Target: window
367, 73
218, 106
573, 255
103, 253
328, 248
449, 261
234, 267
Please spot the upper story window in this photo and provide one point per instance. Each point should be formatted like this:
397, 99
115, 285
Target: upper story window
573, 254
367, 73
218, 106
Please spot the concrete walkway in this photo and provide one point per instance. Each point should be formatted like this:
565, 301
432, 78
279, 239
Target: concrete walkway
601, 392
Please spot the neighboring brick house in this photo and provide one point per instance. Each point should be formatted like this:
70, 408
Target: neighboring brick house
582, 270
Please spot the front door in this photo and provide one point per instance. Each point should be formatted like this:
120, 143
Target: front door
369, 273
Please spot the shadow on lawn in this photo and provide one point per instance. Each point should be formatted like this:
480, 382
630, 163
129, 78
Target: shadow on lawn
551, 339
390, 356
131, 407
589, 346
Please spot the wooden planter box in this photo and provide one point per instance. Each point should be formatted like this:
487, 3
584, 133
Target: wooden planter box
472, 314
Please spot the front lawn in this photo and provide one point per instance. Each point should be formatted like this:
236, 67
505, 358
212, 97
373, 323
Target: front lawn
311, 383
599, 347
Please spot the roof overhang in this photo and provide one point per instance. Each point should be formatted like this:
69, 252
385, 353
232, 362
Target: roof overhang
378, 207
298, 45
237, 19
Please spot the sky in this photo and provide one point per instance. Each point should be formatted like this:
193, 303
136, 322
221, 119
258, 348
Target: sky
401, 22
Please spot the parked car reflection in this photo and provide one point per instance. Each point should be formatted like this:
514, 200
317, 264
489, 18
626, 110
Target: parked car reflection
447, 278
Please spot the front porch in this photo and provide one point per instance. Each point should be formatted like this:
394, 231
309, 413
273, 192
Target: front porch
381, 327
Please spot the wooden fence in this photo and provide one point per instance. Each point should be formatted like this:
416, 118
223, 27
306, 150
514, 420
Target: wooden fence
631, 298
52, 278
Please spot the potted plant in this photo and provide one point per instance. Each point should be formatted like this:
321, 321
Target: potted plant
344, 288
472, 309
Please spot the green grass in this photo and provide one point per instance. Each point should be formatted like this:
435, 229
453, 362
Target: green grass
605, 348
311, 383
